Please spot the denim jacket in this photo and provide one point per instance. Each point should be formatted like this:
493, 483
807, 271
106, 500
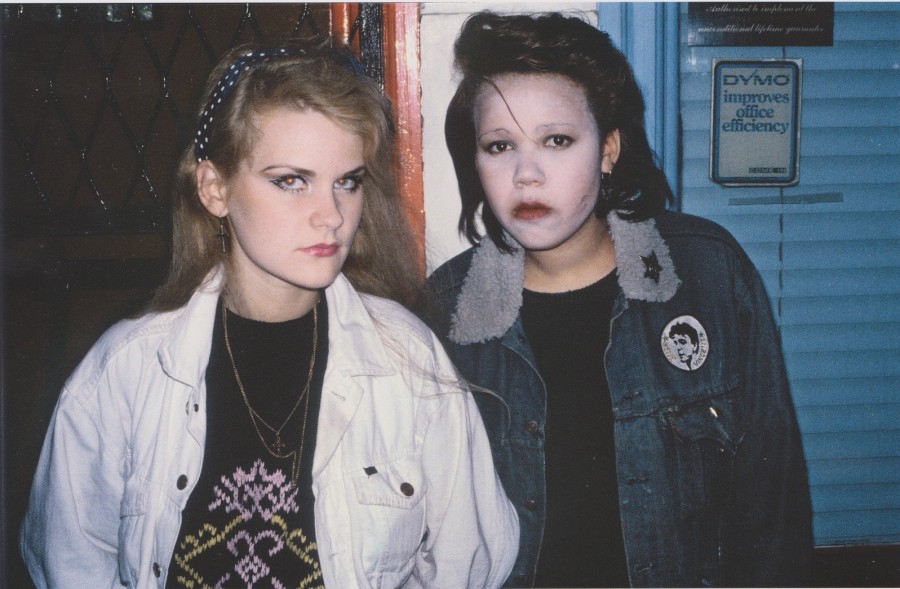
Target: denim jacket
405, 492
711, 474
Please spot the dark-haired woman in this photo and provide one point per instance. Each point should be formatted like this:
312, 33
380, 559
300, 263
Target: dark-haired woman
633, 457
273, 420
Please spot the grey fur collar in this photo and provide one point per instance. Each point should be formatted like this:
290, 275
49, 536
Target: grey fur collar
491, 294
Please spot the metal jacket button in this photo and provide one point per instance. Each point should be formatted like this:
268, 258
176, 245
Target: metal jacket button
156, 570
530, 504
532, 427
181, 483
407, 489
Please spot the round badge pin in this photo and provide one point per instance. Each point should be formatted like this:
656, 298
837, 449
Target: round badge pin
685, 343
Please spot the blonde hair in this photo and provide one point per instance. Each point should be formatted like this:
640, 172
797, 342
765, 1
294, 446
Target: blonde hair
312, 77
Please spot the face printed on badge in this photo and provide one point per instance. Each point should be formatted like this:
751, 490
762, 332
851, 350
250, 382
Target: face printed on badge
684, 343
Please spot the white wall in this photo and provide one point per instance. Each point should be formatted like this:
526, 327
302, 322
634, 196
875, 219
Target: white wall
439, 27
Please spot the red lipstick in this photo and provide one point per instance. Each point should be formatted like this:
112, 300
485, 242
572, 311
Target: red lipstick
531, 211
322, 250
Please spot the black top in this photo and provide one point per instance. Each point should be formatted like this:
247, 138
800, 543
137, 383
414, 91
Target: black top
569, 333
247, 523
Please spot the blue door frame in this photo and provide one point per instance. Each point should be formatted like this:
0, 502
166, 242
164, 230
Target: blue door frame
647, 33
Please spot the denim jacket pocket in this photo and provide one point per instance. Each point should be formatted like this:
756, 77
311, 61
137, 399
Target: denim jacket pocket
390, 510
705, 438
132, 515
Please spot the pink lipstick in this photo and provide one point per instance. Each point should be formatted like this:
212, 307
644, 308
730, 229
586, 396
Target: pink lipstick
322, 250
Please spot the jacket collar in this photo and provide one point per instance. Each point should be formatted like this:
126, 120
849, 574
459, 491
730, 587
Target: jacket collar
355, 353
184, 354
354, 346
354, 350
491, 292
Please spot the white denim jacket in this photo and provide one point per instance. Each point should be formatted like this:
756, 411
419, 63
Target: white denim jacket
125, 447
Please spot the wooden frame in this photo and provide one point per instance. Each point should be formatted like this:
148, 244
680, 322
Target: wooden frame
402, 84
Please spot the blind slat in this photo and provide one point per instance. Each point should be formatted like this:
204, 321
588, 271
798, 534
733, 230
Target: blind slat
837, 498
840, 338
830, 310
854, 418
850, 527
844, 365
875, 444
843, 391
855, 84
840, 281
853, 471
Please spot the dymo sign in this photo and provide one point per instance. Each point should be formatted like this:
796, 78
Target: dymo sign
756, 79
755, 122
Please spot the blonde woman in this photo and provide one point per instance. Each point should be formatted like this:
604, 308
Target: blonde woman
274, 418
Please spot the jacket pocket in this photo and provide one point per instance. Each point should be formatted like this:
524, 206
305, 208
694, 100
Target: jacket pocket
388, 515
713, 419
704, 439
132, 516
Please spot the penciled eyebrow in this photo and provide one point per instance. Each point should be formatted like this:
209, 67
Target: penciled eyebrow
360, 171
492, 131
540, 129
284, 168
553, 126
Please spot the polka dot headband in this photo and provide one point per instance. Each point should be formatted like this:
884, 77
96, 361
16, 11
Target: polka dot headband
244, 63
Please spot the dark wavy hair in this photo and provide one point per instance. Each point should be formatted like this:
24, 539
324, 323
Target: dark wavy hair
490, 45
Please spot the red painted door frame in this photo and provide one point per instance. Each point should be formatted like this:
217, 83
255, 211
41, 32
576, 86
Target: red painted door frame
402, 84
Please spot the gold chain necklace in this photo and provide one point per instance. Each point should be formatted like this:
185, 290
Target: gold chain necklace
256, 418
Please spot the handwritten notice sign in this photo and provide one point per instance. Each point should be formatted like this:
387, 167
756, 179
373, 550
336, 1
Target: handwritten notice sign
755, 123
760, 24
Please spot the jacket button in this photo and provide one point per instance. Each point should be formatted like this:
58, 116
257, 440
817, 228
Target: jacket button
407, 489
156, 570
181, 483
532, 427
530, 504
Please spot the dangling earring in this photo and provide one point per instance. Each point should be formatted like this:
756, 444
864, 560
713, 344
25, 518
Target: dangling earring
223, 234
606, 185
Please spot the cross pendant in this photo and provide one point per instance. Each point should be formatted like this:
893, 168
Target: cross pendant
278, 444
223, 235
